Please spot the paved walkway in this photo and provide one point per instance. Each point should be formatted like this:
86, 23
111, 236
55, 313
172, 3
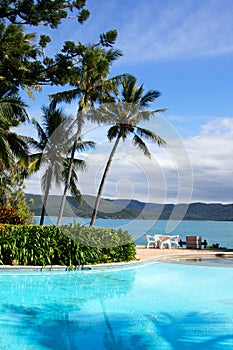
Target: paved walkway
152, 253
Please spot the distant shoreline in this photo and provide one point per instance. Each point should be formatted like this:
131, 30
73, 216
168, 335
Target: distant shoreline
132, 209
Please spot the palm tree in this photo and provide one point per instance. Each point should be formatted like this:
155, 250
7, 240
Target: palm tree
55, 142
12, 145
90, 86
127, 113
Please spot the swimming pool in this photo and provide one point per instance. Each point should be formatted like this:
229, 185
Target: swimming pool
145, 306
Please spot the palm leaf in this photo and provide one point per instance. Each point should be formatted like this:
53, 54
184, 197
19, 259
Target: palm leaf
18, 145
85, 145
41, 135
113, 132
138, 142
13, 109
34, 162
113, 54
150, 135
6, 154
66, 96
149, 97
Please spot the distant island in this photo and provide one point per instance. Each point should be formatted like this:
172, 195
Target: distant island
132, 209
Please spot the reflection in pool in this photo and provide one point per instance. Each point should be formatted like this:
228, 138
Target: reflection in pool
145, 306
205, 261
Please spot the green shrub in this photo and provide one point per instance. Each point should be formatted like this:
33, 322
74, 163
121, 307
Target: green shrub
68, 246
9, 215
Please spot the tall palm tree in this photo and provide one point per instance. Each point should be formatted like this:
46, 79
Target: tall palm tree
90, 86
126, 114
55, 142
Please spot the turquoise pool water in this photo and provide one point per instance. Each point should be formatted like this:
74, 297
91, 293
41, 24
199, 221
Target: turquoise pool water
147, 306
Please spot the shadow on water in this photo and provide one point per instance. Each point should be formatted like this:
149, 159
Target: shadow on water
70, 328
194, 331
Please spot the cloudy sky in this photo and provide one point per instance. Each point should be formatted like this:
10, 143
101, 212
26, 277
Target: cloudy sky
184, 49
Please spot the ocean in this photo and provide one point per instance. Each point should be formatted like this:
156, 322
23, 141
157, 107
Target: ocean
220, 232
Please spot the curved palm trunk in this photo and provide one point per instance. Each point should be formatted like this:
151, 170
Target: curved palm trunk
101, 186
78, 133
46, 196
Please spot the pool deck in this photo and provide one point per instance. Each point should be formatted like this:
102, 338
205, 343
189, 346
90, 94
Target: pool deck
144, 254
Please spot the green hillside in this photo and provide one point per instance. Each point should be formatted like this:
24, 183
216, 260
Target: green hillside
131, 209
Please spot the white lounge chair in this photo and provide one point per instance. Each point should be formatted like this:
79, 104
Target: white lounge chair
165, 240
152, 240
157, 240
149, 240
174, 241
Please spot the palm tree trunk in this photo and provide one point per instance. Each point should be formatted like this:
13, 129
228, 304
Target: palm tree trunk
78, 133
101, 186
49, 179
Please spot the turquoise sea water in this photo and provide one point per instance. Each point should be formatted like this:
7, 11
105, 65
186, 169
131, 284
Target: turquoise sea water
213, 231
150, 306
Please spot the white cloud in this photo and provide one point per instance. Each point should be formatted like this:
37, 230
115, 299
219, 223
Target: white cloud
177, 29
211, 153
167, 176
157, 29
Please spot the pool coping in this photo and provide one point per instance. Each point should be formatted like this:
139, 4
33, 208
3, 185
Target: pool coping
152, 255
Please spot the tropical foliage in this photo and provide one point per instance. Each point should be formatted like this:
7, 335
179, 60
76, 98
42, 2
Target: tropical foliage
47, 245
54, 145
8, 215
90, 85
83, 73
14, 152
48, 13
24, 65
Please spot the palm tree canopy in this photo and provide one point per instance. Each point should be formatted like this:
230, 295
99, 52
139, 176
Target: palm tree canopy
128, 112
89, 78
56, 134
13, 147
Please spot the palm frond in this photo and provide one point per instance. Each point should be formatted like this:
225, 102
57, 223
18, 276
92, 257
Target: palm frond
78, 164
113, 54
18, 145
113, 132
150, 135
149, 97
66, 96
85, 146
138, 142
74, 177
75, 191
34, 162
14, 110
41, 135
146, 115
6, 154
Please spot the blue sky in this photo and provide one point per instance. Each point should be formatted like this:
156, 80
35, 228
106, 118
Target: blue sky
184, 49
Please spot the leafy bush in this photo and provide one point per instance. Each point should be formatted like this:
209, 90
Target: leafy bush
215, 246
9, 215
68, 246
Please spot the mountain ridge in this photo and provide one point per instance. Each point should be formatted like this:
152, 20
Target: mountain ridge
133, 209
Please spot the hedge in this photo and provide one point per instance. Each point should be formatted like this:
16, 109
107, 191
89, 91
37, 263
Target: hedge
71, 245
